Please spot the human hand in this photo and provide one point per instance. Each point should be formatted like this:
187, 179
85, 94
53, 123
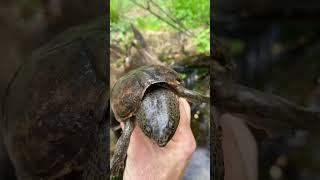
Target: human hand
146, 160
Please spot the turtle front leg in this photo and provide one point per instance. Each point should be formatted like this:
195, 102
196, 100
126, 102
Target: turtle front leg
192, 96
118, 159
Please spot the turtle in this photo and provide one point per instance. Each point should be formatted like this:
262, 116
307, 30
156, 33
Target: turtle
148, 96
55, 104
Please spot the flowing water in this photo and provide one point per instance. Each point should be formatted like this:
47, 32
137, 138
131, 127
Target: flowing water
197, 78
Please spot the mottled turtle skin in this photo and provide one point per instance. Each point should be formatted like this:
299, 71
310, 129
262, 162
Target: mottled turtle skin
54, 110
148, 96
159, 115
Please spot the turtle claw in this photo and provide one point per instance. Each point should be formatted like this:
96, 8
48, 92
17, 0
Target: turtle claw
116, 167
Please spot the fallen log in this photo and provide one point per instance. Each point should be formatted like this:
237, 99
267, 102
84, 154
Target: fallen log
263, 111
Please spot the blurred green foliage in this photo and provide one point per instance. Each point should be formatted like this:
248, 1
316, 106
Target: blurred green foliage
151, 23
117, 9
28, 8
202, 40
194, 15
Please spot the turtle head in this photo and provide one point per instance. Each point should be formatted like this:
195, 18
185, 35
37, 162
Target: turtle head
159, 114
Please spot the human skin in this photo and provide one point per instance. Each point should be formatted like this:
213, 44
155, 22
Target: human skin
147, 161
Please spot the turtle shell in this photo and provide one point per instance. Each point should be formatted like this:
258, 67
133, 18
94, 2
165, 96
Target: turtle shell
128, 91
52, 108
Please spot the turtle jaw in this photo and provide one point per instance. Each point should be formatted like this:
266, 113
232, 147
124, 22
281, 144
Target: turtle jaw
162, 141
162, 145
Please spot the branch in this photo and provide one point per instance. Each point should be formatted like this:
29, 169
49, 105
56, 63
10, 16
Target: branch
172, 18
148, 8
146, 53
265, 111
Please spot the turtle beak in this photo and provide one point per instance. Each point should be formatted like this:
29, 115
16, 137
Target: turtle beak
162, 142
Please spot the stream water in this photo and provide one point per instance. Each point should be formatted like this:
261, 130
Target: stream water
197, 78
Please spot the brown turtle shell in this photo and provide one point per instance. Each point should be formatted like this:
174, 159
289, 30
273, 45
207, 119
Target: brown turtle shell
51, 111
128, 91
